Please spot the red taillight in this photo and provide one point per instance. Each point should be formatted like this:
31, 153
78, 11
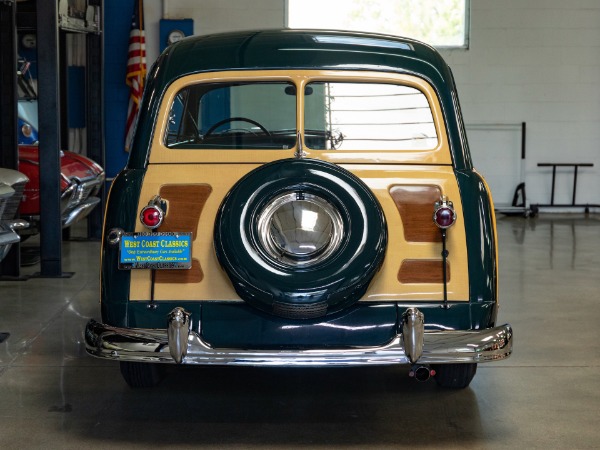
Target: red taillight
152, 216
444, 215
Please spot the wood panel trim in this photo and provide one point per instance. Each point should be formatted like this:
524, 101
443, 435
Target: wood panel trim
423, 271
192, 275
185, 205
415, 205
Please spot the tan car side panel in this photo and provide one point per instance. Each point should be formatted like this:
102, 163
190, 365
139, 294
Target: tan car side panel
217, 179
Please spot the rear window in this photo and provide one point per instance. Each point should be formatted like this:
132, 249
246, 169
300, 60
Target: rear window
367, 116
233, 116
337, 116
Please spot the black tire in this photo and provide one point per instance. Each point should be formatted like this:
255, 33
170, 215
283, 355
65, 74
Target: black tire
299, 291
454, 376
142, 375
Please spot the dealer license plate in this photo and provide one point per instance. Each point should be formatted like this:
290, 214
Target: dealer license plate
155, 251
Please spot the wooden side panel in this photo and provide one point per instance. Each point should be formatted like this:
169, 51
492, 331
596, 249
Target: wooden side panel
193, 275
415, 204
185, 204
422, 271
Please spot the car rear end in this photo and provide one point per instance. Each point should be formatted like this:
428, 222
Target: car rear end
332, 217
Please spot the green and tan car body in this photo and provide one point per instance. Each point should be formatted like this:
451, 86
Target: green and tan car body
406, 183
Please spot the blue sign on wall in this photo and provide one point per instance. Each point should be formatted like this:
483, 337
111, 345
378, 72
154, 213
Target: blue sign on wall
174, 30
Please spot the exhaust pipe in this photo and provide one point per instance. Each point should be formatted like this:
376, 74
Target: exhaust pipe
421, 373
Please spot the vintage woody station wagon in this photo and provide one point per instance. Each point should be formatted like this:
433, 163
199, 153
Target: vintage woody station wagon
300, 198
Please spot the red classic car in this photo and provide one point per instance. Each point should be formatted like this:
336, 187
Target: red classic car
81, 180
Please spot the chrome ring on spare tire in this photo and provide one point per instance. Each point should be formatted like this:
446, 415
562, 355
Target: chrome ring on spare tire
298, 229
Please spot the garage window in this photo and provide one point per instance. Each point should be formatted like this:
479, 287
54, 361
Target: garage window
233, 116
367, 116
442, 23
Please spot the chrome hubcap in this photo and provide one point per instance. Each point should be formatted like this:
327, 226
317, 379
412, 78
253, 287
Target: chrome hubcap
300, 229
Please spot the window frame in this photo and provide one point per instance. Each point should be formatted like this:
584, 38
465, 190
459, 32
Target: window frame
411, 90
160, 154
200, 93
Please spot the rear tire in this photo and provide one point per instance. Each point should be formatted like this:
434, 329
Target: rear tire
454, 376
142, 375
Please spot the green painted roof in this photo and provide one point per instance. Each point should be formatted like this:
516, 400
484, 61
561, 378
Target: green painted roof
296, 49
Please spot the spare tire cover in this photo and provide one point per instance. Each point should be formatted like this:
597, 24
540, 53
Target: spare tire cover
300, 238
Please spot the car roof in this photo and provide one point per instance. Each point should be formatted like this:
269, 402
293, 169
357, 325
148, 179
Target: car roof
300, 49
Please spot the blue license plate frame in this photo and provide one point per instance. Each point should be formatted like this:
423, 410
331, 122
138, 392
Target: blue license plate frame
155, 250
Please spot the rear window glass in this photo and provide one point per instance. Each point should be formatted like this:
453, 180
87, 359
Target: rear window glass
367, 116
233, 116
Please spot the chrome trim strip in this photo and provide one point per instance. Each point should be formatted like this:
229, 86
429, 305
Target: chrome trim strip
439, 347
79, 212
8, 236
17, 224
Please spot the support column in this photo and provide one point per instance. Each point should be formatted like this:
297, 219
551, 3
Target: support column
9, 157
95, 121
49, 132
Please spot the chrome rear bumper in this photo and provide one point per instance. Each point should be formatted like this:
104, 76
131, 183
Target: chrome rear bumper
179, 344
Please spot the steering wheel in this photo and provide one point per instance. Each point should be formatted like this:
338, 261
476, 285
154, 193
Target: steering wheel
234, 119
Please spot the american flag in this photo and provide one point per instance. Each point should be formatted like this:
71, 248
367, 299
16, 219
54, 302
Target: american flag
136, 69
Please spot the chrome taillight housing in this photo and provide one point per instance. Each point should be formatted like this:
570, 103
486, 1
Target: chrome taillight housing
153, 215
444, 215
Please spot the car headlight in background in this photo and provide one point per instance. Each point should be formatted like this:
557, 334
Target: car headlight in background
27, 130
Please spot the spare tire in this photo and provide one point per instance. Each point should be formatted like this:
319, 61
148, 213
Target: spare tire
300, 238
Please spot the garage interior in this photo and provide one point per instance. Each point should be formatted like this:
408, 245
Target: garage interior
529, 85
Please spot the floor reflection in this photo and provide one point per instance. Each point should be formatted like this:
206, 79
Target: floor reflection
545, 395
281, 407
566, 237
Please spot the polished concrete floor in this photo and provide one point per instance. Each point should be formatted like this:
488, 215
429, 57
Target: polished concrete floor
547, 395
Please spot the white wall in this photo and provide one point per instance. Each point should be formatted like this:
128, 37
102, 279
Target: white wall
534, 61
212, 16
